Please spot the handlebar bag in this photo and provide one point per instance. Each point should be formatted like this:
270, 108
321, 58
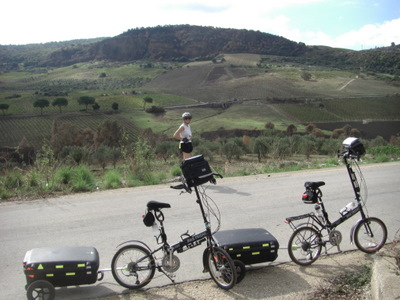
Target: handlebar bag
196, 170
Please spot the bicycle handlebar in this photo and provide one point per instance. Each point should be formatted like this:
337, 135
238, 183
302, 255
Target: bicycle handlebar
184, 186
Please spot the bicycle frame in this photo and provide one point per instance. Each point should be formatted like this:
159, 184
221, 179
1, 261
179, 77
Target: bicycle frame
187, 243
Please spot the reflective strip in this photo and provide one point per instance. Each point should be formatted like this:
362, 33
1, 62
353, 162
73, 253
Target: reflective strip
246, 247
49, 275
81, 265
266, 245
230, 249
70, 274
59, 266
238, 255
255, 253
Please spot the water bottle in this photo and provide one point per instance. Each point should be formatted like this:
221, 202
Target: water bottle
349, 207
319, 213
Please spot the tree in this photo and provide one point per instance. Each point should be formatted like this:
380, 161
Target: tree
86, 100
96, 106
306, 75
115, 106
60, 102
291, 129
147, 100
4, 107
109, 133
41, 103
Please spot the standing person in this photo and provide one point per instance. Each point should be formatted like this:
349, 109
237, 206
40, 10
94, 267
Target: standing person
184, 135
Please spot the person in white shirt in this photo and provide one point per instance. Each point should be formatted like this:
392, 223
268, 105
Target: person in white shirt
184, 135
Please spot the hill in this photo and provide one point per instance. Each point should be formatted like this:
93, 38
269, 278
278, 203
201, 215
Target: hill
188, 43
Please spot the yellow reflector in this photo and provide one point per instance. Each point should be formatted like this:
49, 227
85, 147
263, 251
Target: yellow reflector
230, 249
81, 265
70, 274
246, 247
238, 255
266, 245
59, 266
49, 275
40, 267
255, 253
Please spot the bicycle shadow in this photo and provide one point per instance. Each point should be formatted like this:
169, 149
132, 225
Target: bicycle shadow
225, 190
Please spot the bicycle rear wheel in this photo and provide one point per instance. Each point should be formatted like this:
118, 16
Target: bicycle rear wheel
133, 266
222, 268
370, 235
305, 246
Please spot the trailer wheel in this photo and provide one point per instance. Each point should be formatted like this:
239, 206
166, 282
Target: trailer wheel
240, 270
40, 290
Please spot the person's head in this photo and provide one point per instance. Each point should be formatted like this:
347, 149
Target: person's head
186, 116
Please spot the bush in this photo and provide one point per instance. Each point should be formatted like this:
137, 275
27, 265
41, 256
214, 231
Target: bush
83, 180
112, 179
63, 176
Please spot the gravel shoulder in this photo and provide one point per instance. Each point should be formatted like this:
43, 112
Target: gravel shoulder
282, 281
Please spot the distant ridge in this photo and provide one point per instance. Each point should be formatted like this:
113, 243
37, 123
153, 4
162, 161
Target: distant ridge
187, 43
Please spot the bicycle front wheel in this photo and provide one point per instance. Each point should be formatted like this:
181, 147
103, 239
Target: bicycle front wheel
133, 266
305, 246
222, 268
370, 235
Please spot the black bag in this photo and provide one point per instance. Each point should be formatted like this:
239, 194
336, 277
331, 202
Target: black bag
251, 245
62, 266
196, 171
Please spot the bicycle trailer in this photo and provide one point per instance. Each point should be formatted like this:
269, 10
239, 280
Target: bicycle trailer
250, 245
62, 266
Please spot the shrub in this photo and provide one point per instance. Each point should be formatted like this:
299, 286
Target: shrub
63, 176
83, 180
112, 179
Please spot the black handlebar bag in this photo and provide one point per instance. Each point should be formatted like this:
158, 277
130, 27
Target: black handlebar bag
196, 170
62, 266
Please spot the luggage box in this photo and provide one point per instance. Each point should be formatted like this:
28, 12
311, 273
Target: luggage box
196, 170
250, 245
62, 266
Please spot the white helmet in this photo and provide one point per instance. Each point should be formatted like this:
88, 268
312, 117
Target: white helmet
186, 115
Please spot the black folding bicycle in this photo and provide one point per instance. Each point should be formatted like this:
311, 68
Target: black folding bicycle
134, 264
369, 233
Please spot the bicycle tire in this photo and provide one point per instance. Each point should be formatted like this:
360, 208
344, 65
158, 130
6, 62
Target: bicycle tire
370, 235
305, 245
222, 268
133, 266
40, 289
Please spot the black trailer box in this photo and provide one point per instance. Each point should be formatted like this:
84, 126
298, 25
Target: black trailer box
250, 245
196, 170
62, 266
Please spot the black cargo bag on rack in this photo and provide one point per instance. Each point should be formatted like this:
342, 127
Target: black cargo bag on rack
62, 266
196, 170
250, 245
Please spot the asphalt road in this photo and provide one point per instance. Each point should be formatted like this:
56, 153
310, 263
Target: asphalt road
107, 218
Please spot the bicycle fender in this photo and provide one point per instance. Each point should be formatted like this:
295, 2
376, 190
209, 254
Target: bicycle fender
205, 265
135, 241
352, 231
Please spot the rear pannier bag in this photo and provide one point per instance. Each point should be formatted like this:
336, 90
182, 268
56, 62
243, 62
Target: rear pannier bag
196, 170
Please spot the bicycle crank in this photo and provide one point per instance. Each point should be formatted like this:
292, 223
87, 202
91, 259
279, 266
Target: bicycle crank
171, 263
335, 238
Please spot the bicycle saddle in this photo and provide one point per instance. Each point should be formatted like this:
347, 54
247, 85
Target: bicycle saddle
313, 184
154, 205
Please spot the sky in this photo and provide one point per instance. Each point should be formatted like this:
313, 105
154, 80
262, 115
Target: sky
351, 24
